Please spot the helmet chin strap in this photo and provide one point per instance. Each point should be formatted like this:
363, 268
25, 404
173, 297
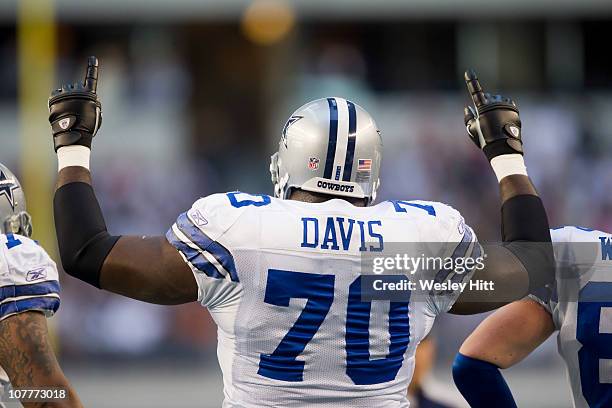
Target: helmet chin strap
280, 183
284, 191
374, 190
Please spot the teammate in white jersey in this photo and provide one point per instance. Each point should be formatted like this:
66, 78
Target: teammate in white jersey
29, 291
580, 309
282, 276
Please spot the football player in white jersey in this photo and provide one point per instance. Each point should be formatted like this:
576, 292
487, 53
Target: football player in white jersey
282, 276
29, 292
580, 309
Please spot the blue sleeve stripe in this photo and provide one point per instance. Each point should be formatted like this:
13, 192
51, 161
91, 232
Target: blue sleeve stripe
475, 253
221, 254
30, 289
460, 251
464, 244
193, 256
49, 303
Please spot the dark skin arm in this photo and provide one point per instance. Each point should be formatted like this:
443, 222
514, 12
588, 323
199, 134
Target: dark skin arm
509, 276
164, 278
29, 360
151, 270
501, 266
167, 279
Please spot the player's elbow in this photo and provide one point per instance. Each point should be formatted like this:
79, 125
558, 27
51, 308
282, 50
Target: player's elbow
68, 258
537, 259
81, 232
73, 255
83, 259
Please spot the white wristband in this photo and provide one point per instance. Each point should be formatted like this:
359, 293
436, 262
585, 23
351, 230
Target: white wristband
507, 165
73, 156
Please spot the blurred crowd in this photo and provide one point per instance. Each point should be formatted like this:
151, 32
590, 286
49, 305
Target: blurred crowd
187, 115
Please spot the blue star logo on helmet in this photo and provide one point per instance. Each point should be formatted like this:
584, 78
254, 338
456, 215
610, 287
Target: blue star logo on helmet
290, 122
7, 186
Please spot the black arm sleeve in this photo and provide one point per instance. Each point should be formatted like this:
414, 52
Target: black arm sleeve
526, 233
524, 219
84, 242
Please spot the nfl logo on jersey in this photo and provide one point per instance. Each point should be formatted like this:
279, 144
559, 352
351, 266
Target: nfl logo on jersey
313, 163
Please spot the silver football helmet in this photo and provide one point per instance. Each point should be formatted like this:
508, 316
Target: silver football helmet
329, 146
13, 216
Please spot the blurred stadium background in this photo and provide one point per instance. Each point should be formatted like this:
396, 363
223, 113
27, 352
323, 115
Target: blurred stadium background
195, 94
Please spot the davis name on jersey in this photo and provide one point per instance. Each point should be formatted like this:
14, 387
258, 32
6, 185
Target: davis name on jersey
581, 308
282, 280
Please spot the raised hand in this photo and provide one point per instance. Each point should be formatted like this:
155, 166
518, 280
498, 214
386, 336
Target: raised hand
75, 113
493, 123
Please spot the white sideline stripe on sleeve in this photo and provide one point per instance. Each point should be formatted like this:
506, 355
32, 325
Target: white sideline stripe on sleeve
18, 298
47, 312
181, 237
179, 234
507, 165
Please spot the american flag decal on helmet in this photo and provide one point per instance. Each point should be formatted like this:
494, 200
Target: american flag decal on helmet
364, 165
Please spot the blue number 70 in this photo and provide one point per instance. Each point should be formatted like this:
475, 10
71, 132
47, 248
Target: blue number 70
283, 364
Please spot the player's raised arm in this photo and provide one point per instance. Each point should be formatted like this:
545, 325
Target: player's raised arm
143, 268
524, 263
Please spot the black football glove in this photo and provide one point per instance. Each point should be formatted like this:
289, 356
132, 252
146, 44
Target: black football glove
493, 123
75, 113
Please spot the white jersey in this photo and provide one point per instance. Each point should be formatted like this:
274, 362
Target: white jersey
282, 279
28, 280
581, 308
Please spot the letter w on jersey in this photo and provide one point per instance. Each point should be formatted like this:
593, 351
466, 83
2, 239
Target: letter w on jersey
200, 251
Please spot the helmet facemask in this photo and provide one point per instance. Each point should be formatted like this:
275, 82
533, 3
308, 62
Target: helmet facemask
20, 223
